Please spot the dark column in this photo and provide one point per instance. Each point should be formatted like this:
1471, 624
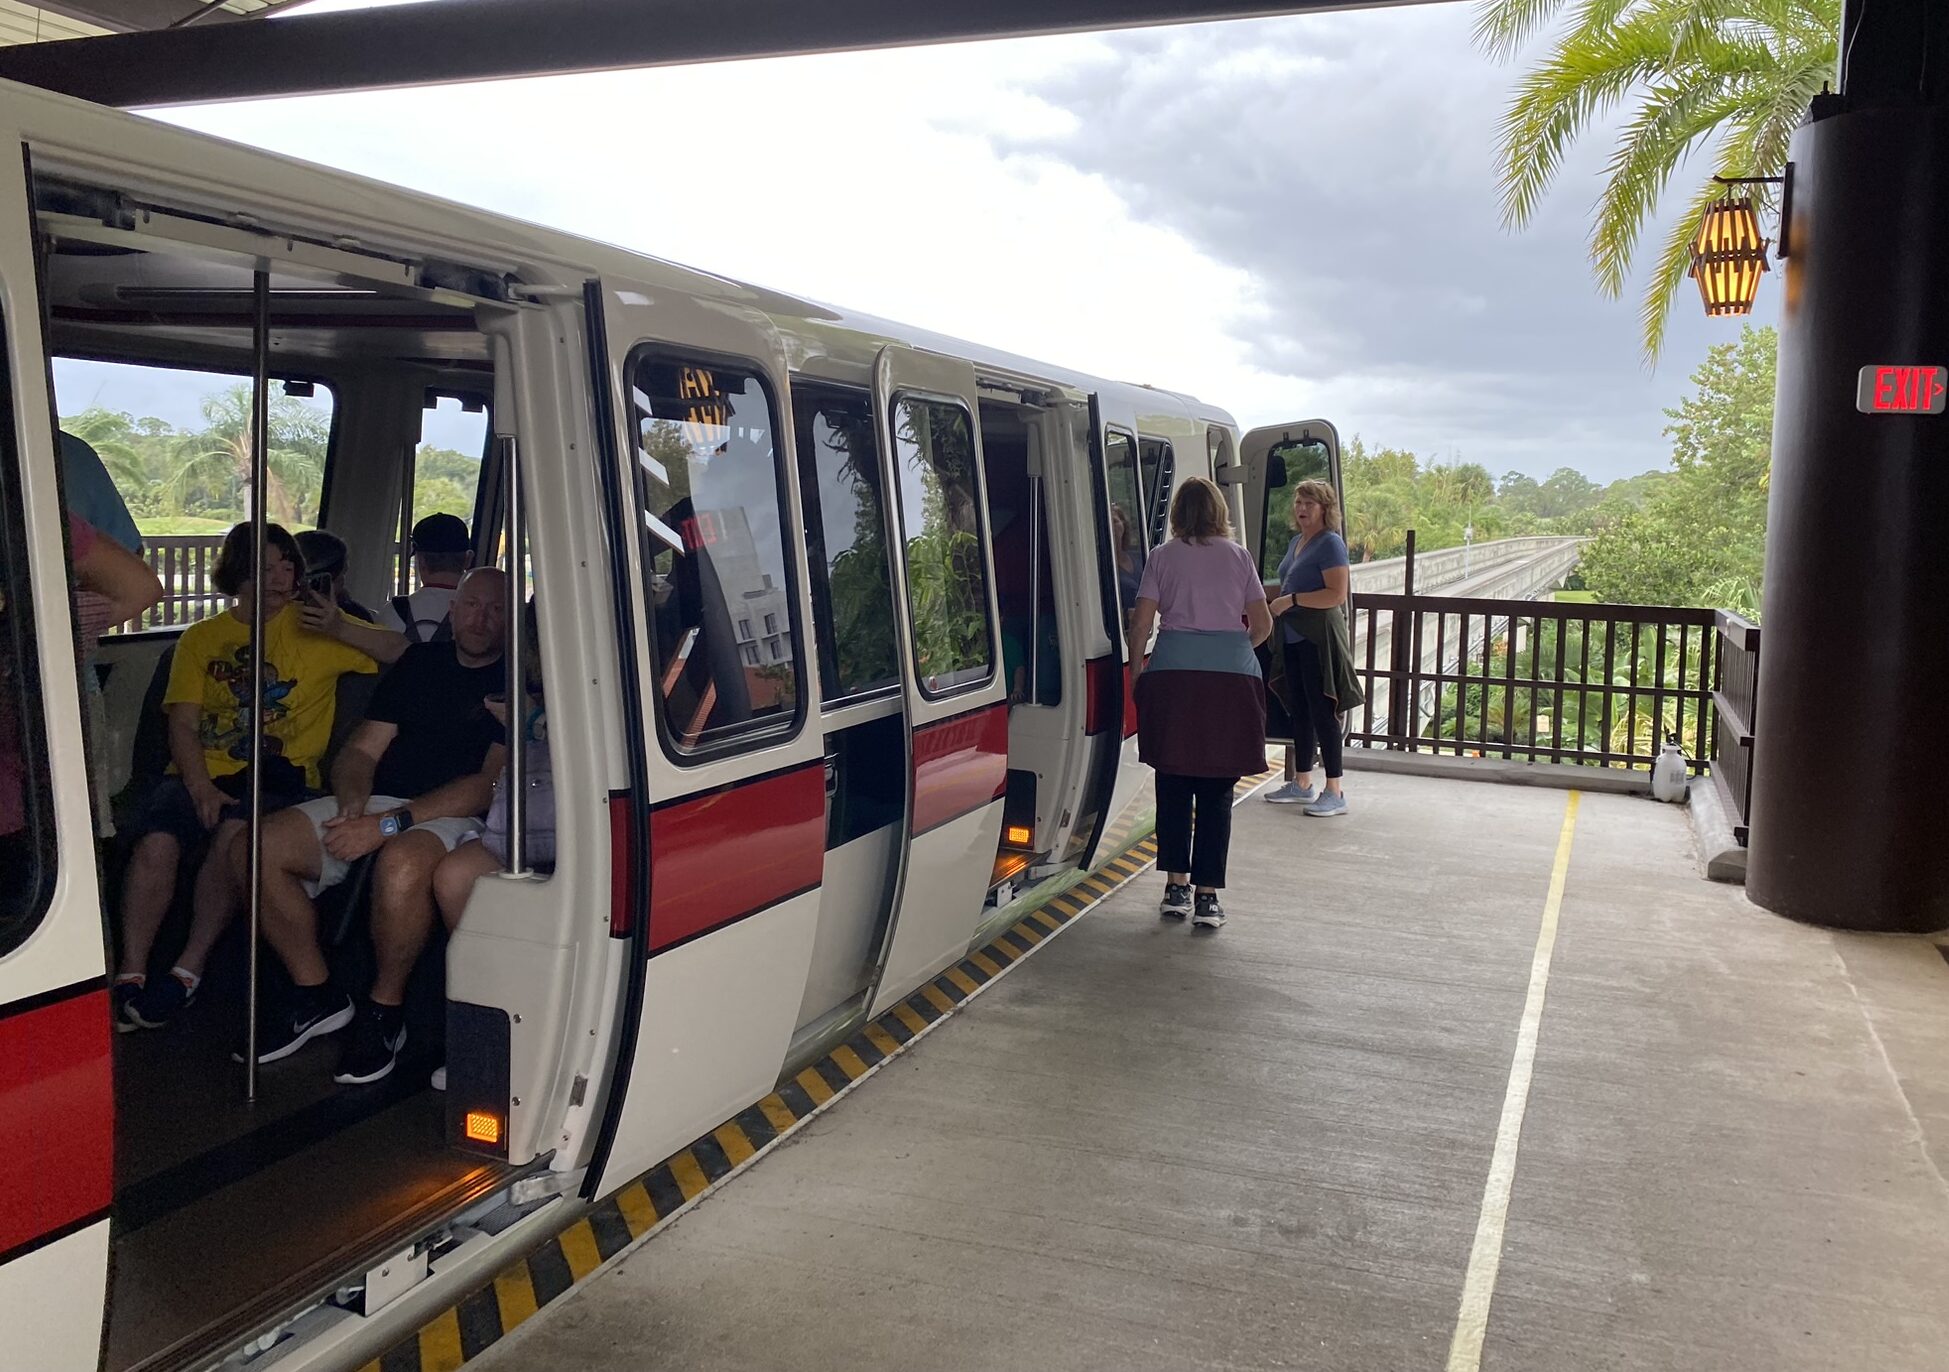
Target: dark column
1850, 813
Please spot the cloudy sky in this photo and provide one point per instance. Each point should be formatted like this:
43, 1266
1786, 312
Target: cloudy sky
1290, 218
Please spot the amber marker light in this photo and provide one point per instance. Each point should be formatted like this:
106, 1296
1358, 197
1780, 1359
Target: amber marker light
483, 1127
1018, 835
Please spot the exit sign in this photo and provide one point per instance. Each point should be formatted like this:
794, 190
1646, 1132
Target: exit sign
1902, 390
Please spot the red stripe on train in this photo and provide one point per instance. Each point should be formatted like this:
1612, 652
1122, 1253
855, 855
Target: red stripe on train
727, 853
57, 1117
960, 765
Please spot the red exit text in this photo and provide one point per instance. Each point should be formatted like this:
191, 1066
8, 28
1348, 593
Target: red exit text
1902, 390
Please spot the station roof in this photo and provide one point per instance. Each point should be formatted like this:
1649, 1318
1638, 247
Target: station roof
156, 52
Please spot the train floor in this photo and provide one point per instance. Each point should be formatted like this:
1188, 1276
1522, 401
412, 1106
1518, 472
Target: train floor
1289, 1144
224, 1207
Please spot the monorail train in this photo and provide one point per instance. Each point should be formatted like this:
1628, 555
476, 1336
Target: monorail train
831, 616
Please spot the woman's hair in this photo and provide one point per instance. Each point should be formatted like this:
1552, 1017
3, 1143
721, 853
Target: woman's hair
1329, 503
235, 557
1198, 511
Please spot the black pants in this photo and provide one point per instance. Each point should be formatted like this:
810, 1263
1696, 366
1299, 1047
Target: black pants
1311, 709
1212, 796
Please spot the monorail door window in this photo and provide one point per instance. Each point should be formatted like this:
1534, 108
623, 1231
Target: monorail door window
940, 518
1127, 523
724, 637
839, 473
1287, 465
1160, 471
26, 814
446, 471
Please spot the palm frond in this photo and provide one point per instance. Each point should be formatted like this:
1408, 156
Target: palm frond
1668, 274
1673, 119
1503, 26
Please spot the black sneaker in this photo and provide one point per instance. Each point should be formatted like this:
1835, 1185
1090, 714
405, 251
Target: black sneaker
122, 995
158, 1002
1177, 901
377, 1037
308, 1016
1211, 915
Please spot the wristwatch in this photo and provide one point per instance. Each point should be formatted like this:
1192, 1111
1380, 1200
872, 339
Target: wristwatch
395, 822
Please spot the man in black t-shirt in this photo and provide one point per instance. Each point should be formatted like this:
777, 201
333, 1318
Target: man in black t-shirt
410, 784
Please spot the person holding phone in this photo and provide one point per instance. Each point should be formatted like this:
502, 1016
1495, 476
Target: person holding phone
325, 556
202, 803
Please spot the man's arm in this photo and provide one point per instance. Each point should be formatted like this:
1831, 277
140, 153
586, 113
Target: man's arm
468, 795
357, 761
323, 617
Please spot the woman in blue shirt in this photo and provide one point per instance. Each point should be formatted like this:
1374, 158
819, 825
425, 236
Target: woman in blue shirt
1314, 573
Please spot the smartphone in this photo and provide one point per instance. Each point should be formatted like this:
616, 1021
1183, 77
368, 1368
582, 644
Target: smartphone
319, 584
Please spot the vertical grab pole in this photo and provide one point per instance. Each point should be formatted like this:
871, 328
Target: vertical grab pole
515, 533
260, 412
1035, 589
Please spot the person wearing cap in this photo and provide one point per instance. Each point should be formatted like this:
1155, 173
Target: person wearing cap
442, 552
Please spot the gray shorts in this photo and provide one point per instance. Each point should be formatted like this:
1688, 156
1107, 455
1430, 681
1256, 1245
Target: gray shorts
332, 870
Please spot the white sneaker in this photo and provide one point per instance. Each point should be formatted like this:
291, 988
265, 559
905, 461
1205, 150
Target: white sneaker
439, 1082
1291, 793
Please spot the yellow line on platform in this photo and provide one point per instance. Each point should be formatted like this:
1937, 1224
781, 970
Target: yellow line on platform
1485, 1257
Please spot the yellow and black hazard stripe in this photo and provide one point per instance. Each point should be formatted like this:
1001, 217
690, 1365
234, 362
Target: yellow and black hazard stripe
652, 1200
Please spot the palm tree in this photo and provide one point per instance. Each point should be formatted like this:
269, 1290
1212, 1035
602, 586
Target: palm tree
1733, 76
217, 461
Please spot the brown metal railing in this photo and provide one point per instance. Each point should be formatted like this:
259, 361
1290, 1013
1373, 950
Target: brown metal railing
184, 563
1735, 706
1538, 681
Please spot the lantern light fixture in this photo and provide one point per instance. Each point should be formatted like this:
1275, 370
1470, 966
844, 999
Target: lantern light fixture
1728, 253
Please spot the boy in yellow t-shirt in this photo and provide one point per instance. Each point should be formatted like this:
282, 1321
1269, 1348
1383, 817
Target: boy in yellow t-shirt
208, 702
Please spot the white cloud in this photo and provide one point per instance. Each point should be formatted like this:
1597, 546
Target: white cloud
1100, 202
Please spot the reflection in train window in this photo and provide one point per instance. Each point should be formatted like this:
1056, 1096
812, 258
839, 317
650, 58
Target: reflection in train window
852, 597
26, 818
714, 549
1127, 523
940, 516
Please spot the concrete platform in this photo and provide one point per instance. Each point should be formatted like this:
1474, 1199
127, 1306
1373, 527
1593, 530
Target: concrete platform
1148, 1148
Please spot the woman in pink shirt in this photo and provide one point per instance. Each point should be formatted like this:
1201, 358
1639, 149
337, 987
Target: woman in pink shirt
1200, 698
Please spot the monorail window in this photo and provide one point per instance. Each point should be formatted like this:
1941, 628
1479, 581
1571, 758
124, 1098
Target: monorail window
714, 545
940, 518
1127, 523
1160, 469
158, 459
1301, 461
446, 471
839, 474
26, 813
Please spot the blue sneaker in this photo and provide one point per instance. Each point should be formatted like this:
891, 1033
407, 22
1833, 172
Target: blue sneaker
1329, 803
1291, 793
123, 994
158, 1002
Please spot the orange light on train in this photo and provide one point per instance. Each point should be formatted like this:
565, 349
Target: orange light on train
483, 1128
1019, 835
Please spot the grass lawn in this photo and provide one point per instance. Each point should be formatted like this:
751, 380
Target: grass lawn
1578, 597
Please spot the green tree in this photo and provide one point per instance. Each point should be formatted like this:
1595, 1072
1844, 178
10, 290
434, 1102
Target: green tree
210, 472
1699, 535
1729, 77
